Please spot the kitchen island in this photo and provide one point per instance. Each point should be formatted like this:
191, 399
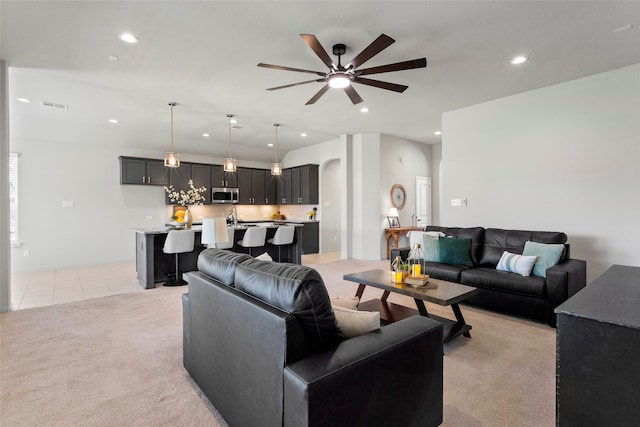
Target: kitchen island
153, 265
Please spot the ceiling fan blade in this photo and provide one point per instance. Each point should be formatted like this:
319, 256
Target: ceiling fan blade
315, 45
382, 85
353, 95
295, 84
318, 95
378, 45
398, 66
281, 67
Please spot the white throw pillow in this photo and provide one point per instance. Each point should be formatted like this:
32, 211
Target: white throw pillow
345, 302
353, 322
515, 263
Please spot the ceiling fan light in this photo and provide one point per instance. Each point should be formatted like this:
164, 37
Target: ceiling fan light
276, 169
339, 81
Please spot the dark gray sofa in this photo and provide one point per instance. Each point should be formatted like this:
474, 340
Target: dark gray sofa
262, 343
529, 296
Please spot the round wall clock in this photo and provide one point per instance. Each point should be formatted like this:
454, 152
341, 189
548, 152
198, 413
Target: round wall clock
398, 196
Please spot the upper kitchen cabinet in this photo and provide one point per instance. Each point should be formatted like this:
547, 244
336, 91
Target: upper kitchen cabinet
304, 185
201, 176
135, 170
220, 178
252, 185
179, 177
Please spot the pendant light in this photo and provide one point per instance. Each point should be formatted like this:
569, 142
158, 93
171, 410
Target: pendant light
276, 168
229, 162
171, 158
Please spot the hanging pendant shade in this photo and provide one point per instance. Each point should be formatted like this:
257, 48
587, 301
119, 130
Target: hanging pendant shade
276, 168
171, 158
229, 162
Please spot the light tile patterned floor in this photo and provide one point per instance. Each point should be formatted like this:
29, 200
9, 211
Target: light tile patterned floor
48, 287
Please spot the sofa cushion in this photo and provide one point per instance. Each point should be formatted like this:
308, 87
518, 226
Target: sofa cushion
548, 255
456, 251
497, 240
490, 278
476, 234
448, 272
295, 289
519, 264
430, 245
220, 264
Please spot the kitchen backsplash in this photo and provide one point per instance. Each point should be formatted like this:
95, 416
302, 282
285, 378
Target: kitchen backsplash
248, 212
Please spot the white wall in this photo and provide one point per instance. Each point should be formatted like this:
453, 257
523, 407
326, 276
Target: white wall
330, 234
562, 158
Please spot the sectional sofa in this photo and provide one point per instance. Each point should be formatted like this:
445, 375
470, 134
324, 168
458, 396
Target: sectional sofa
534, 295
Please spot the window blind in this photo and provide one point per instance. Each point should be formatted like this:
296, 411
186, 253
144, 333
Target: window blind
13, 197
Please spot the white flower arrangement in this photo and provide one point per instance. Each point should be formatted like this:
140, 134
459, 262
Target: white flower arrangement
186, 198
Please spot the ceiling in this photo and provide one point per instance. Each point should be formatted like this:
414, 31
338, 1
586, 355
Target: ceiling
203, 55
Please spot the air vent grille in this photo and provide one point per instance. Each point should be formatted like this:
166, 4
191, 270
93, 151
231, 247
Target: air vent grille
50, 104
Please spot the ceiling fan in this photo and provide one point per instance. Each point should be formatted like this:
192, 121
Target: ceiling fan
342, 76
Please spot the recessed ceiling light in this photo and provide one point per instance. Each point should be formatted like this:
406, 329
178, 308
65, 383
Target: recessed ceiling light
364, 110
206, 135
24, 100
114, 121
270, 144
128, 38
303, 134
519, 60
437, 132
113, 58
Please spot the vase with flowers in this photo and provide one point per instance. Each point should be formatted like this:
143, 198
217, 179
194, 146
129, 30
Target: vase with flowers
193, 196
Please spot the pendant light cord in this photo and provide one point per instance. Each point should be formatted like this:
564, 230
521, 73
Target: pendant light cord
172, 127
276, 125
229, 120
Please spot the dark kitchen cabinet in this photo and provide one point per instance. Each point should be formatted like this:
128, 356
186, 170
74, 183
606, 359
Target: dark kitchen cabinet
201, 176
252, 186
135, 170
311, 238
220, 178
298, 186
270, 188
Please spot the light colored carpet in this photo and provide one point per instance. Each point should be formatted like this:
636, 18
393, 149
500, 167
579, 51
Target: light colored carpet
117, 360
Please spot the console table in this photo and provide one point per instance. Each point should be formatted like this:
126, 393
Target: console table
396, 233
598, 352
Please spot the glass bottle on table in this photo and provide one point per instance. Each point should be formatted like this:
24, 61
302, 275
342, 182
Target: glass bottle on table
416, 261
397, 270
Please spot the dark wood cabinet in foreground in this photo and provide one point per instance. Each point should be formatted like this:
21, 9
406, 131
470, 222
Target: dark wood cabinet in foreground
598, 352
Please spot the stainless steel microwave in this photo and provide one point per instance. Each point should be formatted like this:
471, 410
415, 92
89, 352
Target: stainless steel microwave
225, 195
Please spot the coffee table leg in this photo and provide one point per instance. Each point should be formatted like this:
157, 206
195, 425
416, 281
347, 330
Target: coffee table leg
385, 295
459, 317
422, 309
360, 290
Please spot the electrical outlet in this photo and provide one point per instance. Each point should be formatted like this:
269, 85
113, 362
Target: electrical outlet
456, 202
149, 217
464, 202
67, 203
26, 252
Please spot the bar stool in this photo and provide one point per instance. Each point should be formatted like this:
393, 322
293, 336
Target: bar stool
178, 242
283, 236
254, 237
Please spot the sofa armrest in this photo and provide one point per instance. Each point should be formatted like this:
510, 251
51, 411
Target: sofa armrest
563, 281
388, 377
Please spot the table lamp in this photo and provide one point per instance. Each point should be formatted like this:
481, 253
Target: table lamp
214, 230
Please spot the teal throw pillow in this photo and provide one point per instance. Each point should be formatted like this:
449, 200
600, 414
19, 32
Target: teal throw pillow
514, 263
430, 245
548, 256
455, 251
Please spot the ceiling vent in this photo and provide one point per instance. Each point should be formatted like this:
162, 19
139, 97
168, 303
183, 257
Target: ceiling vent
54, 105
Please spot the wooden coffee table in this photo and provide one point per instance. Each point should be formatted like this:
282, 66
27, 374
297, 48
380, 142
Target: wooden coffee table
447, 293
